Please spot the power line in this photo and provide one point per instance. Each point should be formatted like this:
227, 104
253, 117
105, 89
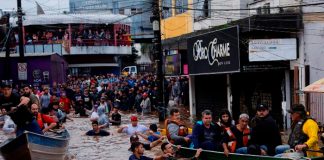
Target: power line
247, 9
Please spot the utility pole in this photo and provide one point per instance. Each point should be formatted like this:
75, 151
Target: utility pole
20, 32
158, 58
7, 43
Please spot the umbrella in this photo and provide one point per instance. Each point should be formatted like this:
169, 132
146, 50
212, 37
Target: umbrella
317, 86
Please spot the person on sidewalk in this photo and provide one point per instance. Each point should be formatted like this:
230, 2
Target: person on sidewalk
237, 137
265, 135
303, 134
207, 135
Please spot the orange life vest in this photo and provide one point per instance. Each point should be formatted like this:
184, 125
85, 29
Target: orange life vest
183, 131
232, 143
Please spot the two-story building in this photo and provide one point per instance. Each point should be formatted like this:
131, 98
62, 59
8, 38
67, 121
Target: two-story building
239, 54
84, 44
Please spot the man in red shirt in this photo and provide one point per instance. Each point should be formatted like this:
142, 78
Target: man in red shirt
43, 119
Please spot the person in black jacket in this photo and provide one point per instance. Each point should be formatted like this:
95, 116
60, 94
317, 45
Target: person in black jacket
265, 133
207, 135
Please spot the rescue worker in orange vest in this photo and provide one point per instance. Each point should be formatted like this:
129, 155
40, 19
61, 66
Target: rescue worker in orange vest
237, 137
176, 130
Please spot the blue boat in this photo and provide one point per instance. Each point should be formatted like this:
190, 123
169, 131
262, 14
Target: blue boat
32, 146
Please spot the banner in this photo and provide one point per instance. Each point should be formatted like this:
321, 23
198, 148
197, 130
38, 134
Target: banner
214, 52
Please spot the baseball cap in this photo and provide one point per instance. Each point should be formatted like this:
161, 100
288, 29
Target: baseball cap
6, 83
262, 107
134, 118
297, 108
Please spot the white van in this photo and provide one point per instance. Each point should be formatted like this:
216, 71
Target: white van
129, 70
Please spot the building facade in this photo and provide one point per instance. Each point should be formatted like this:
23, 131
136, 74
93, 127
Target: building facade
279, 54
138, 10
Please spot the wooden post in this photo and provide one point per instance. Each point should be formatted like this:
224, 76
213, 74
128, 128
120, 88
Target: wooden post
296, 85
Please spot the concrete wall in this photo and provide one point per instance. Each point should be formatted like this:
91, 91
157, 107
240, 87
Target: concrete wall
314, 39
177, 25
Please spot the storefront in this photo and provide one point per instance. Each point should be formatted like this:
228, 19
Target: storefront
212, 57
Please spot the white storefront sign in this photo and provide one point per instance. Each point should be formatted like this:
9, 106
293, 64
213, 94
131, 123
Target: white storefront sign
272, 49
22, 71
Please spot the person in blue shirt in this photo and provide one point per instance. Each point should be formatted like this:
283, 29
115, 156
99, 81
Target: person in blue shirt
207, 135
154, 134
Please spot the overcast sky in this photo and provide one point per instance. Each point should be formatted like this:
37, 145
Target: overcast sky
29, 6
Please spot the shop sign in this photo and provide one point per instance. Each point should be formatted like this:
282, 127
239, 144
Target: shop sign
22, 71
272, 49
214, 52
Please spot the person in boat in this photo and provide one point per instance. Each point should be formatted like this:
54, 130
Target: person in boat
265, 134
9, 127
225, 120
43, 119
206, 134
133, 127
176, 131
96, 131
304, 133
169, 153
237, 137
147, 146
54, 110
18, 109
8, 99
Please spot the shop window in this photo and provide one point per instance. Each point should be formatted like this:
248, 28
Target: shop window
266, 8
166, 8
133, 11
202, 9
181, 6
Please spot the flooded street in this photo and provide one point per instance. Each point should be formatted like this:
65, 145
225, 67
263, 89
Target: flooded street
113, 147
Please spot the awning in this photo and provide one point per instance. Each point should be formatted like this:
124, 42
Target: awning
317, 87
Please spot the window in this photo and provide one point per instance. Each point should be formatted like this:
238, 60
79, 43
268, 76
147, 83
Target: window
166, 8
266, 8
121, 11
259, 10
202, 9
181, 6
115, 7
133, 11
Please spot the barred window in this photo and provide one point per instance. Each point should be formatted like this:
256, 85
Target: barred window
181, 6
166, 8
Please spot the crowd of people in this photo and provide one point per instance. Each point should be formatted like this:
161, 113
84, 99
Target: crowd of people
102, 99
257, 136
80, 36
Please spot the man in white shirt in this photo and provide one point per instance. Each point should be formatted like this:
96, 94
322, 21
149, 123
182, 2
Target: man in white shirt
133, 127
